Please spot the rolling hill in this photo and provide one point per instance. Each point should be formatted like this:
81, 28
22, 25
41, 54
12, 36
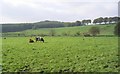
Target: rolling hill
104, 30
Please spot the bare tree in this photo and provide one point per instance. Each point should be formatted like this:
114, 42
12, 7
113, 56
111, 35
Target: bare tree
52, 32
94, 31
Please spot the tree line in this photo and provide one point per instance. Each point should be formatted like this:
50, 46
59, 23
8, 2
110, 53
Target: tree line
106, 20
57, 24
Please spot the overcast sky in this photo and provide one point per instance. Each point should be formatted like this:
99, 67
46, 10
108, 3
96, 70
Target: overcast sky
16, 11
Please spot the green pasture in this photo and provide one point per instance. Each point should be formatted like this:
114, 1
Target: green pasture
60, 54
0, 54
104, 30
0, 50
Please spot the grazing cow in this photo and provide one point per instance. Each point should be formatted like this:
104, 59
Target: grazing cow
39, 39
4, 38
31, 41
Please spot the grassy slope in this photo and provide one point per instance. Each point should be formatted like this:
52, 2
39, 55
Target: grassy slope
105, 30
98, 54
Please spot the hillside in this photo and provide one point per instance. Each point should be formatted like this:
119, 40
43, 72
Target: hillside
15, 27
104, 30
42, 24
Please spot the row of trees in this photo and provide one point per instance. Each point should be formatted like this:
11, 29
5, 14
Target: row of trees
106, 20
100, 20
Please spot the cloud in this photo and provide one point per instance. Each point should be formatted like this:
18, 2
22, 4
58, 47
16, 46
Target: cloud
63, 10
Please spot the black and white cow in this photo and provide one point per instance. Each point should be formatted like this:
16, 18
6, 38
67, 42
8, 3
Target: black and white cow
39, 39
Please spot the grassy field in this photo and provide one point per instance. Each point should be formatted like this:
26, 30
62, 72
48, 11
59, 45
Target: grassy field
104, 30
0, 54
61, 54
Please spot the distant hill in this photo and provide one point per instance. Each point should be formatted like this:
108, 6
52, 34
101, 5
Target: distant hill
104, 30
42, 24
57, 24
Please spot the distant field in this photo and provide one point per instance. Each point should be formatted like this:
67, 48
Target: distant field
105, 30
61, 54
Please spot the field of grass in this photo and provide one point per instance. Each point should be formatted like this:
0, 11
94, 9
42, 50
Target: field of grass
61, 54
0, 50
105, 30
0, 54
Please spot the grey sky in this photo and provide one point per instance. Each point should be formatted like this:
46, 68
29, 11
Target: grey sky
16, 11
